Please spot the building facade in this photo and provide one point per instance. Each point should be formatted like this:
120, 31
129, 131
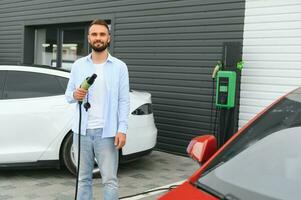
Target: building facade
170, 47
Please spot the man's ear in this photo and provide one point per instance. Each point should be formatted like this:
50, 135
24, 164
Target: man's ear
88, 38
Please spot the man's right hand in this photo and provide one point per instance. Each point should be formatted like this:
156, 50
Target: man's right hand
79, 94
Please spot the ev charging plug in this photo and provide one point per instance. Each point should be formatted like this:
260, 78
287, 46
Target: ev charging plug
217, 67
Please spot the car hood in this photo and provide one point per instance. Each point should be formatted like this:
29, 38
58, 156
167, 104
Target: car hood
188, 192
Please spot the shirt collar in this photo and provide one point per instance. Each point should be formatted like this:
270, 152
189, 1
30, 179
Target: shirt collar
110, 58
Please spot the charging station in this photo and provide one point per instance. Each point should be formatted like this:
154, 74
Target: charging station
226, 76
225, 89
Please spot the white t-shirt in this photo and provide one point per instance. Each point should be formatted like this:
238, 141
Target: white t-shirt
97, 100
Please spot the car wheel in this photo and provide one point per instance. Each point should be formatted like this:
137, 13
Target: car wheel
68, 156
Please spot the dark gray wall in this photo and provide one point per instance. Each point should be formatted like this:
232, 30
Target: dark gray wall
170, 48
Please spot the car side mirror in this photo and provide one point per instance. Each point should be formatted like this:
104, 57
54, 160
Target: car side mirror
201, 148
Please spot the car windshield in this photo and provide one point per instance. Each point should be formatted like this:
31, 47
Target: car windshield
264, 162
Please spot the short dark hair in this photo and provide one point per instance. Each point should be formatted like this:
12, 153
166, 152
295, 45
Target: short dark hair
99, 22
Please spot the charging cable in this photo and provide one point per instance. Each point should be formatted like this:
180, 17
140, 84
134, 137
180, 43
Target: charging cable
86, 84
217, 67
78, 152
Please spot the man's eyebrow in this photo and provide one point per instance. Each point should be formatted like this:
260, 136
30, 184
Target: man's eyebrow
97, 32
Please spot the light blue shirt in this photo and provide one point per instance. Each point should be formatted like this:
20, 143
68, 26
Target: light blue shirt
117, 102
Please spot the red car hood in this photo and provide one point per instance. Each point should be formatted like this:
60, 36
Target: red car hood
187, 192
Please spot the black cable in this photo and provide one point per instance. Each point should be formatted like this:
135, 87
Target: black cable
219, 128
78, 145
149, 191
215, 132
212, 102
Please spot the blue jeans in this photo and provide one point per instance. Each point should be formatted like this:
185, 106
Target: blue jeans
103, 149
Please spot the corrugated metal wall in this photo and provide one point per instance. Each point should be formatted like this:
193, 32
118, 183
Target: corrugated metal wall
170, 48
271, 51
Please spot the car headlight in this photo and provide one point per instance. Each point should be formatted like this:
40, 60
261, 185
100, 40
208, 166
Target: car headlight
145, 109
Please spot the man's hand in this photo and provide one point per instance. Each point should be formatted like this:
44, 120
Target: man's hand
79, 94
120, 140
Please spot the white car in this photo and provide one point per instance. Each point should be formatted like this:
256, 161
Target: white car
36, 120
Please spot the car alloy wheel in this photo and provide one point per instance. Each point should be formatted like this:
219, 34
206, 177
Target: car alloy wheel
68, 156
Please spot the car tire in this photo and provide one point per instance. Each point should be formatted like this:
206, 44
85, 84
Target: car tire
67, 154
68, 157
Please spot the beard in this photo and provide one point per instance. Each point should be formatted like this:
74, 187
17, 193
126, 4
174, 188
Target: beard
101, 48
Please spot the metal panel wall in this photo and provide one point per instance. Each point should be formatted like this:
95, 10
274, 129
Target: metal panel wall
170, 48
271, 51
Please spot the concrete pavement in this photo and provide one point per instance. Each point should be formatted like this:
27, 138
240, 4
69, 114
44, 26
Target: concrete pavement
153, 171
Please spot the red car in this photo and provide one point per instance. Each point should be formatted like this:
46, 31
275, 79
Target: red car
262, 161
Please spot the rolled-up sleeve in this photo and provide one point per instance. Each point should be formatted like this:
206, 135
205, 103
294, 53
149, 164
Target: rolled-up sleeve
123, 100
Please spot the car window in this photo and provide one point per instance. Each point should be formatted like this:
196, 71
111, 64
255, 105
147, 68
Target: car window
268, 170
285, 114
2, 73
63, 82
20, 84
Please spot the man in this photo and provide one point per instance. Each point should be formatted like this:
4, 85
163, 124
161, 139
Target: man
104, 125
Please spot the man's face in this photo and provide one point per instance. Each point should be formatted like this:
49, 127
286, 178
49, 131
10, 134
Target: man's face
98, 37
